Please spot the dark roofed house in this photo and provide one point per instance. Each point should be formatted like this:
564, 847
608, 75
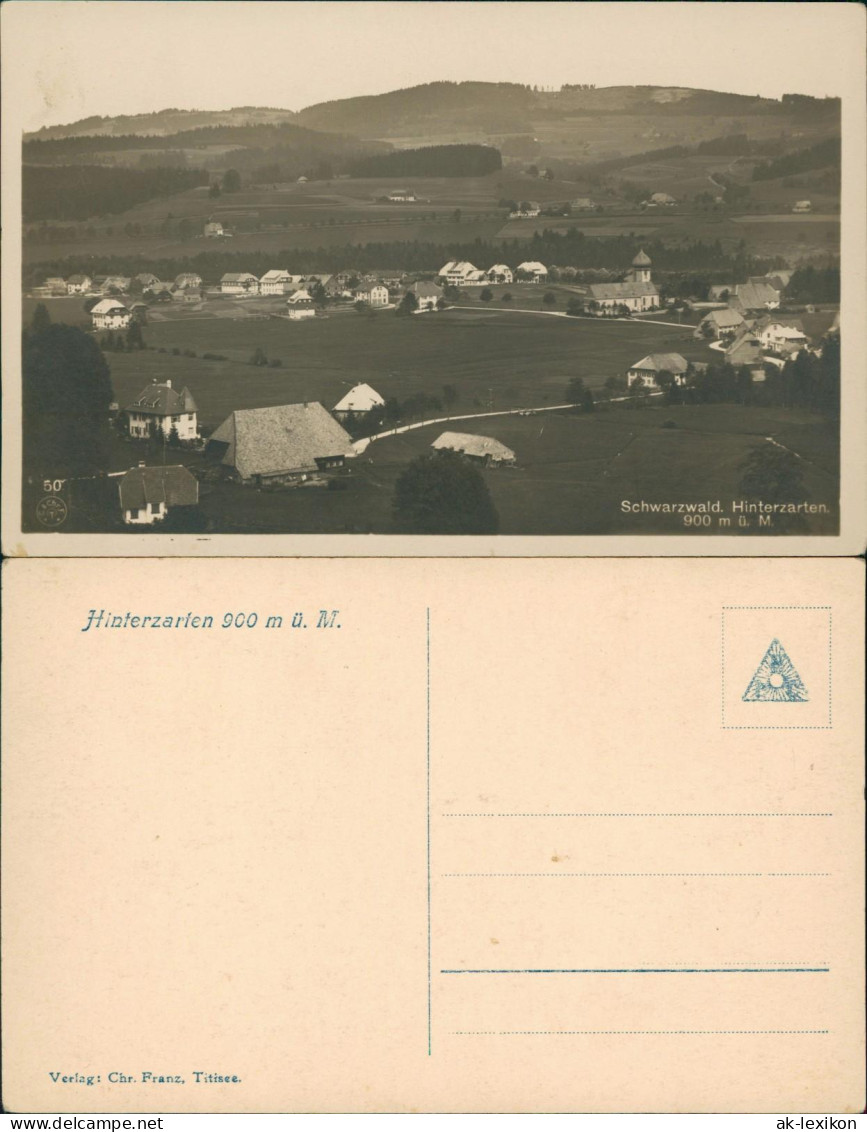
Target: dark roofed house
159, 407
280, 443
648, 368
147, 494
427, 294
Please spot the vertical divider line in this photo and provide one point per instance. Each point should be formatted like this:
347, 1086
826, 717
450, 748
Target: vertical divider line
427, 761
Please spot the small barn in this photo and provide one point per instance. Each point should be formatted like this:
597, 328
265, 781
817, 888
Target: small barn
480, 449
361, 398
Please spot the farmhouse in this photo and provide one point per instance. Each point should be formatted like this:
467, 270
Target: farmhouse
276, 282
281, 443
636, 292
158, 408
479, 449
533, 270
147, 494
500, 273
213, 228
802, 206
55, 286
119, 283
648, 368
754, 296
526, 210
188, 279
719, 324
239, 283
745, 349
147, 280
664, 199
375, 295
78, 284
109, 314
428, 296
459, 272
719, 292
360, 399
581, 204
402, 196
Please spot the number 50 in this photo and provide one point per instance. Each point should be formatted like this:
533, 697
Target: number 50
54, 486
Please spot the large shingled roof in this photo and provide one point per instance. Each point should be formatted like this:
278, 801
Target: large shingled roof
280, 439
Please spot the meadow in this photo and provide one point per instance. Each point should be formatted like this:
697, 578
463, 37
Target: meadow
573, 471
502, 358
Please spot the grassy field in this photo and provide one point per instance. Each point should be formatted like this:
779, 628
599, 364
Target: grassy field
516, 359
572, 473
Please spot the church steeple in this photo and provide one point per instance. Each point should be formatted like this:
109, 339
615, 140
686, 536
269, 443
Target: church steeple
641, 268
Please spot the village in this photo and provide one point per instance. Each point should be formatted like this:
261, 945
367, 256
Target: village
748, 325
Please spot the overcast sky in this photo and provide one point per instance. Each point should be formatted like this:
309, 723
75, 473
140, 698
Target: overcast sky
73, 58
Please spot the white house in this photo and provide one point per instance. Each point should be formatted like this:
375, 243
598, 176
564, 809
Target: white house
402, 196
147, 280
55, 285
188, 279
360, 399
148, 494
719, 324
118, 283
802, 206
213, 228
781, 335
276, 282
109, 314
158, 408
239, 283
299, 305
581, 204
427, 294
479, 449
500, 273
78, 284
375, 295
648, 368
458, 273
537, 272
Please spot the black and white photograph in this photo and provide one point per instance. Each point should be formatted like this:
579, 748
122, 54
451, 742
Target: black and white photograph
530, 269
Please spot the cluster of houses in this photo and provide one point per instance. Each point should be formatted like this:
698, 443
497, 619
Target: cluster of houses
276, 445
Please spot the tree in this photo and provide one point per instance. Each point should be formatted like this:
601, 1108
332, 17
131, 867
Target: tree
215, 191
456, 216
231, 181
587, 402
134, 339
575, 307
486, 295
90, 303
67, 392
575, 390
442, 493
41, 319
450, 395
318, 294
258, 357
361, 306
407, 305
665, 379
771, 474
506, 297
549, 299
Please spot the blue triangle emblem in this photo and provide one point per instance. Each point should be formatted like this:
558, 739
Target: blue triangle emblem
776, 679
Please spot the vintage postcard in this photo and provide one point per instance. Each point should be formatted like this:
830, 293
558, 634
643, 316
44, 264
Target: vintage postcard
569, 835
289, 274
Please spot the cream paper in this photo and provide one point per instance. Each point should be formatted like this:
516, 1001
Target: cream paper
466, 835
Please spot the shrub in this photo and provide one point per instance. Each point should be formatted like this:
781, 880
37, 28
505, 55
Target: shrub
176, 351
275, 363
669, 424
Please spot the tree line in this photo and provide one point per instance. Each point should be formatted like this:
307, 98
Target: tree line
817, 156
431, 161
573, 248
76, 192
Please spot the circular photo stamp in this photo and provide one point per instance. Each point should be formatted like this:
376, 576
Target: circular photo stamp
51, 511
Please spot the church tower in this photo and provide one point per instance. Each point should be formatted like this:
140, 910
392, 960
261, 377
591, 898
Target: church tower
641, 268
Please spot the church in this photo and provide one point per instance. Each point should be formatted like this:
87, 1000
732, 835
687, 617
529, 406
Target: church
636, 292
